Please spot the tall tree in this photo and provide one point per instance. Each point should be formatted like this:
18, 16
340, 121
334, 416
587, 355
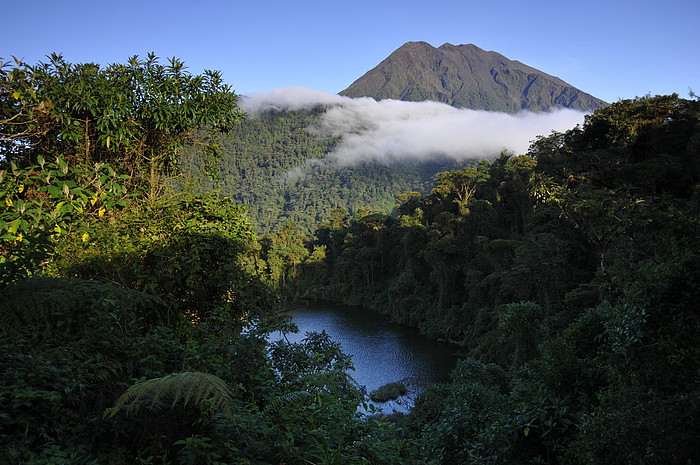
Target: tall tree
134, 115
461, 184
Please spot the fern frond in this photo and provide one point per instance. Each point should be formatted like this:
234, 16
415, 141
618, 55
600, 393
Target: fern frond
289, 399
204, 390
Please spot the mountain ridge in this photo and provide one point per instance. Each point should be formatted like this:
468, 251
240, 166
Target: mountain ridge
467, 76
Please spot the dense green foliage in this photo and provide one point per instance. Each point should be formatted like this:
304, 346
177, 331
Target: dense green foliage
574, 267
274, 165
135, 116
136, 320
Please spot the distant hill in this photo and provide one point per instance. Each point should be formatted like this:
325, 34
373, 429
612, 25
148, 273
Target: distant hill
265, 167
468, 77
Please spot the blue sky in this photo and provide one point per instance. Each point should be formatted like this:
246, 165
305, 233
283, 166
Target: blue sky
611, 49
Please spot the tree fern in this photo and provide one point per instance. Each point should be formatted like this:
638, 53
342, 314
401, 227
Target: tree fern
204, 390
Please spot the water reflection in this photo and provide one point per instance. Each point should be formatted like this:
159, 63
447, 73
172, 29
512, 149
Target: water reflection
382, 351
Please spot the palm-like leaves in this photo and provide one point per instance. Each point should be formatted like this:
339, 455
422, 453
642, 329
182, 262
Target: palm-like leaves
203, 390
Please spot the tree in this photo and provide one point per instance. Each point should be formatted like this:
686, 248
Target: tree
461, 184
407, 202
285, 250
21, 119
135, 116
339, 218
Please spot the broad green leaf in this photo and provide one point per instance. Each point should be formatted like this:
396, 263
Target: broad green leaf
14, 226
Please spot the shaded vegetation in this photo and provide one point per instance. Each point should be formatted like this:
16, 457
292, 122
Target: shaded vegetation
135, 318
573, 267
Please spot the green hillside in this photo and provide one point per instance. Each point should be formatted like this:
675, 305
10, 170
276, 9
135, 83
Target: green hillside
276, 167
569, 276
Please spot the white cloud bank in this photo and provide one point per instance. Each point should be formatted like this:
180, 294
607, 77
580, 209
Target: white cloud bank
389, 130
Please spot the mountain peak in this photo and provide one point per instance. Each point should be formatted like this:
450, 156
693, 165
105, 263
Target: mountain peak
448, 45
469, 77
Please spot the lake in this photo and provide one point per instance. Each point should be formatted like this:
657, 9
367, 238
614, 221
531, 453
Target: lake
382, 351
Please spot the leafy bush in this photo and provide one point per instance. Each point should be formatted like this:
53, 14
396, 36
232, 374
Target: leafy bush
48, 203
197, 253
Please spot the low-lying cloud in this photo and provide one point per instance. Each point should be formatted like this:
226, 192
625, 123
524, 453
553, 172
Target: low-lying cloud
391, 130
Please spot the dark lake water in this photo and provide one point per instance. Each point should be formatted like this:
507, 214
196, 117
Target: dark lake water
382, 351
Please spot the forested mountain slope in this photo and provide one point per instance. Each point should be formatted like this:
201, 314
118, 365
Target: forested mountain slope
275, 166
575, 267
468, 77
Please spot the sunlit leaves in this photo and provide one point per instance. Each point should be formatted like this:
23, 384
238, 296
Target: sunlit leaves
134, 116
47, 201
460, 184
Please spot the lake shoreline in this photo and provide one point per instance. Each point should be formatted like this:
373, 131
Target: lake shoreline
382, 351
